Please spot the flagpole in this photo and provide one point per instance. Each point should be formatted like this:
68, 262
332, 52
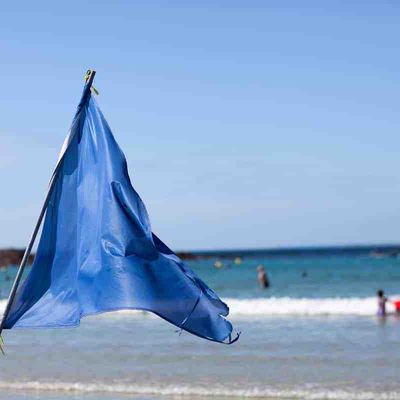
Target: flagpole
89, 80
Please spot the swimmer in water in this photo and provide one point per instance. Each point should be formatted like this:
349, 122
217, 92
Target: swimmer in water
262, 277
382, 300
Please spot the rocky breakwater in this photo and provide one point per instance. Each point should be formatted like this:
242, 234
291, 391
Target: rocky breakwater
13, 257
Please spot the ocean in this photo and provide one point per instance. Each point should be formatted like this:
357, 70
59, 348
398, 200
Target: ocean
313, 334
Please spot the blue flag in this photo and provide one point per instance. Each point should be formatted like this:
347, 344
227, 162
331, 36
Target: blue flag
97, 252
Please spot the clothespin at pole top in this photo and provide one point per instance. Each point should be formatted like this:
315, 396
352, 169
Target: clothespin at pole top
87, 77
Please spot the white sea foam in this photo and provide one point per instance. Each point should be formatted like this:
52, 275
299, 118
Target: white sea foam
281, 306
190, 391
305, 306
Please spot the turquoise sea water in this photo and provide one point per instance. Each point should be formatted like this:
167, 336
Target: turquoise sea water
307, 337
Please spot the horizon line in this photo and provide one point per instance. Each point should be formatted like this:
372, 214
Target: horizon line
379, 245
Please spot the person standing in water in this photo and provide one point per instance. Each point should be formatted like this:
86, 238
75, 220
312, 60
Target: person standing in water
382, 300
262, 277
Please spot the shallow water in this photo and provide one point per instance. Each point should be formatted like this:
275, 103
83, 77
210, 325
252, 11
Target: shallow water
124, 355
306, 338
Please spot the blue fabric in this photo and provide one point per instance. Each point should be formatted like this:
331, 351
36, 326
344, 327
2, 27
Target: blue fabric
97, 252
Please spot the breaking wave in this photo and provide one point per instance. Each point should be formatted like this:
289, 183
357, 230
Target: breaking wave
190, 391
281, 306
305, 306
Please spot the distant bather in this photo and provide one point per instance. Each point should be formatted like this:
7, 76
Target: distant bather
262, 277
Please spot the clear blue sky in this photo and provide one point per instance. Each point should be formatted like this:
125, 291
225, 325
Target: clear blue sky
245, 123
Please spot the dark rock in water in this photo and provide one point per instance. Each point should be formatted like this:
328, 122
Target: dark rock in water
187, 256
13, 257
